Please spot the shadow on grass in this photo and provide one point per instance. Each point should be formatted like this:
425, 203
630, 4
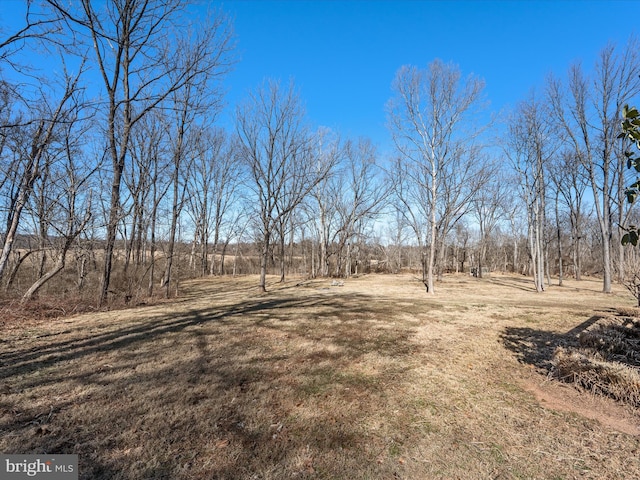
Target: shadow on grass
277, 386
524, 283
23, 360
536, 347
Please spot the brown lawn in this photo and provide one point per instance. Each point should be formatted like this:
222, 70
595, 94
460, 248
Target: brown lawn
372, 380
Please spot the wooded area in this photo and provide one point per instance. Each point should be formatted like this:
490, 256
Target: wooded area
116, 176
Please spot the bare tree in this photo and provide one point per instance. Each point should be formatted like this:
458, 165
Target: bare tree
488, 208
529, 147
71, 207
182, 153
29, 124
588, 111
432, 119
412, 205
323, 209
276, 146
139, 53
32, 146
346, 201
360, 198
198, 98
570, 182
146, 178
397, 235
215, 190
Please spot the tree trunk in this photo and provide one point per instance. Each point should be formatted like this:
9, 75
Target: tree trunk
606, 255
81, 262
10, 236
236, 252
223, 254
112, 226
560, 267
282, 256
577, 260
264, 258
16, 267
166, 279
430, 266
57, 268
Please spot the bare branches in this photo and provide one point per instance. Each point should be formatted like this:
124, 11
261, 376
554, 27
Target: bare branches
432, 119
587, 113
146, 54
277, 148
32, 149
41, 26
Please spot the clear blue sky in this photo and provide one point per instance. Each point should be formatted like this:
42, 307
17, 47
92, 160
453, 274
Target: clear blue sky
343, 54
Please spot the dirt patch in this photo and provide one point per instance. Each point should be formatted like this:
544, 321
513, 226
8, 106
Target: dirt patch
565, 398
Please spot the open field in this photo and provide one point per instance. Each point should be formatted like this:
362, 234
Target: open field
371, 380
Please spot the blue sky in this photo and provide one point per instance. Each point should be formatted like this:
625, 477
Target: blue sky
342, 55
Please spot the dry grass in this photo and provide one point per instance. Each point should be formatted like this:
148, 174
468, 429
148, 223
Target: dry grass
606, 359
372, 380
591, 371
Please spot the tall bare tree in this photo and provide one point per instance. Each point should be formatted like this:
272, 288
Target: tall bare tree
323, 208
139, 53
432, 117
181, 147
412, 205
215, 191
570, 182
488, 208
197, 100
30, 121
588, 110
70, 202
277, 148
32, 145
361, 196
529, 146
147, 180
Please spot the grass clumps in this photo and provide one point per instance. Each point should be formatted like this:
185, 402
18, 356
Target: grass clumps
606, 360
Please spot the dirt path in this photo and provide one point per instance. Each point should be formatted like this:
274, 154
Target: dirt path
565, 398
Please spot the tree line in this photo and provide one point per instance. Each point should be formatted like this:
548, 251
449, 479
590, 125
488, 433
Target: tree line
112, 160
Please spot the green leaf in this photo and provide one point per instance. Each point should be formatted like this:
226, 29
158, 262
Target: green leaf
630, 238
631, 196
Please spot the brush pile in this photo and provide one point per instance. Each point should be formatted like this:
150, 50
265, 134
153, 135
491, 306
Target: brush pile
606, 360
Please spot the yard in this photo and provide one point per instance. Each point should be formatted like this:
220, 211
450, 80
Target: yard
371, 380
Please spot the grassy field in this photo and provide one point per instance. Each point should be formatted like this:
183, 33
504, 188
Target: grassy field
371, 380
